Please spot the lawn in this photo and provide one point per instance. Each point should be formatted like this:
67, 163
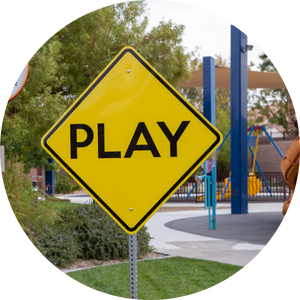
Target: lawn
59, 205
157, 279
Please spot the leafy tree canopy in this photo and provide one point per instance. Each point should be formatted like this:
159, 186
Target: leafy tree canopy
64, 66
272, 106
195, 97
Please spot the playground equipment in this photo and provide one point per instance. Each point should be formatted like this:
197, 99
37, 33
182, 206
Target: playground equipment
289, 166
238, 78
254, 184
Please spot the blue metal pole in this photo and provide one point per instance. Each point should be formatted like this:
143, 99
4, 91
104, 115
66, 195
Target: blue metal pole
224, 192
238, 97
209, 95
266, 132
251, 129
209, 111
226, 136
190, 191
49, 176
209, 102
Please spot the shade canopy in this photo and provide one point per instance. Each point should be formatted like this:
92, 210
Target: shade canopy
255, 79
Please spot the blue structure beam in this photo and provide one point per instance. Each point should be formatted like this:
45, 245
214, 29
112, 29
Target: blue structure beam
225, 138
238, 95
270, 138
209, 112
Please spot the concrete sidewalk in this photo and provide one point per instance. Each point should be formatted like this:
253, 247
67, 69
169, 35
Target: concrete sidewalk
180, 243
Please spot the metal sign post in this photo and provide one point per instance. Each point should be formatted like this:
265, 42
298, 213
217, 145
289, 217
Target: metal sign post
2, 159
133, 284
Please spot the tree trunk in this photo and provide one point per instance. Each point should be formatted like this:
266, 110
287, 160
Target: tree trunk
291, 116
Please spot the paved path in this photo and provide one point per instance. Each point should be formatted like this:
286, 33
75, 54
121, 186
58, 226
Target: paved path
222, 244
185, 233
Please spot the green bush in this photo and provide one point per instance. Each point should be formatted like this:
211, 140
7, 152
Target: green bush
34, 215
87, 232
64, 184
59, 246
84, 232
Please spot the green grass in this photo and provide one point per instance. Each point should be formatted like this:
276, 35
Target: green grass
157, 279
59, 205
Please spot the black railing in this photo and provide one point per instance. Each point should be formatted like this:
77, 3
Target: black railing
266, 187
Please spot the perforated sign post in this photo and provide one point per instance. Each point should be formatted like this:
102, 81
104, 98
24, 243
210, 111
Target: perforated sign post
131, 140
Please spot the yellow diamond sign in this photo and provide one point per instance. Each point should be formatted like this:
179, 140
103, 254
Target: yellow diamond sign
130, 140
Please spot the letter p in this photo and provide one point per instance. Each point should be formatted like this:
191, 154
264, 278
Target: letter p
74, 143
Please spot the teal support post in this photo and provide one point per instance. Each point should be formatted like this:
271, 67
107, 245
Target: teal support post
205, 186
213, 197
209, 202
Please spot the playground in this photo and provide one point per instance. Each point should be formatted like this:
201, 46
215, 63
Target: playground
242, 184
261, 186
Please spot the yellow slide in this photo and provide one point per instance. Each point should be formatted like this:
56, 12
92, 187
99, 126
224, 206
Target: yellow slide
254, 184
218, 196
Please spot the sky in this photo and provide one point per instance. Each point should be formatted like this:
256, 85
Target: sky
202, 29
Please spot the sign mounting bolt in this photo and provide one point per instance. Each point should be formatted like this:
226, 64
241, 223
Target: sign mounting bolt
128, 71
130, 208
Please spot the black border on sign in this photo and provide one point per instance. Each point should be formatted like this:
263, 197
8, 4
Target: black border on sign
182, 100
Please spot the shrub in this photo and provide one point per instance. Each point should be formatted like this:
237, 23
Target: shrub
33, 215
64, 184
87, 232
100, 236
59, 246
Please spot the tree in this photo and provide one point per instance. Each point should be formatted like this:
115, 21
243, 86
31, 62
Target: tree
195, 96
64, 66
275, 106
36, 109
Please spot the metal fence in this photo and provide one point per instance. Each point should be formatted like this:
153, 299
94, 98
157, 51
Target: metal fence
264, 188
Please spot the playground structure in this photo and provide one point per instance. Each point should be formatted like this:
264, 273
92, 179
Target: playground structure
239, 80
254, 184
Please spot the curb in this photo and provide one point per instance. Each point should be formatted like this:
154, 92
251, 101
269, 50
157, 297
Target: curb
123, 262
